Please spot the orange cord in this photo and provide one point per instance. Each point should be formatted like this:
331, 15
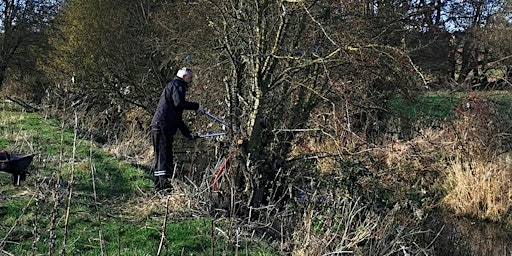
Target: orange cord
217, 175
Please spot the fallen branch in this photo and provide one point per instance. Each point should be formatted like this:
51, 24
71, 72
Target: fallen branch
23, 104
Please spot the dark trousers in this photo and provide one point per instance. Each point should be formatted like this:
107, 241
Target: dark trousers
162, 146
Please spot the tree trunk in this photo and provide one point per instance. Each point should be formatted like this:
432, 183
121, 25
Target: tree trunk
467, 60
2, 76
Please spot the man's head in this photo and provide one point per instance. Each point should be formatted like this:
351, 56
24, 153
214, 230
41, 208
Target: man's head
186, 74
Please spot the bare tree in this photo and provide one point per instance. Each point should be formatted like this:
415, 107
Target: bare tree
275, 77
289, 60
22, 24
283, 59
471, 18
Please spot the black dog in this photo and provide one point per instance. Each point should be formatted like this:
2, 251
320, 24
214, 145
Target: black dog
16, 165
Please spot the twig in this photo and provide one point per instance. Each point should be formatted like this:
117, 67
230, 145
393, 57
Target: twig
37, 210
2, 243
237, 243
93, 169
6, 253
70, 188
212, 238
164, 227
53, 221
119, 243
23, 104
56, 197
435, 238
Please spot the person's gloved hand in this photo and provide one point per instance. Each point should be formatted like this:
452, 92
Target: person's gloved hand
191, 137
200, 110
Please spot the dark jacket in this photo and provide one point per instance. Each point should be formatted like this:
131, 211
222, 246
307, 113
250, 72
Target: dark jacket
169, 112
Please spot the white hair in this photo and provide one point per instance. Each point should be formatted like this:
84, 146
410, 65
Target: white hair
184, 71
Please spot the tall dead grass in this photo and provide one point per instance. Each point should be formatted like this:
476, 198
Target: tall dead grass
479, 187
134, 146
478, 176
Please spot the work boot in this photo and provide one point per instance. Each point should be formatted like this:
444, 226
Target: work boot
162, 183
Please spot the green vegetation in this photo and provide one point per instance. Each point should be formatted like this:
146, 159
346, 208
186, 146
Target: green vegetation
114, 213
433, 105
440, 105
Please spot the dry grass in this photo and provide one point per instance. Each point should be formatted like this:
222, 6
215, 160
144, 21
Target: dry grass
478, 176
318, 234
348, 227
11, 132
155, 205
134, 146
476, 186
480, 188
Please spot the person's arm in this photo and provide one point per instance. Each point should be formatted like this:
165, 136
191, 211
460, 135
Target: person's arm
184, 129
178, 98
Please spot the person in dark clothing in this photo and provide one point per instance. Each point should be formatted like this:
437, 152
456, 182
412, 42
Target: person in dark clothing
168, 119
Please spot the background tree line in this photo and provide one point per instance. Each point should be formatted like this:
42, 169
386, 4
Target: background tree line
123, 52
297, 80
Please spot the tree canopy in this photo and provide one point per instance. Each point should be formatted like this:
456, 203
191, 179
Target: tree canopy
22, 38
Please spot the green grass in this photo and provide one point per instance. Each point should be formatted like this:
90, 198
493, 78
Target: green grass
503, 100
429, 106
126, 212
440, 105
